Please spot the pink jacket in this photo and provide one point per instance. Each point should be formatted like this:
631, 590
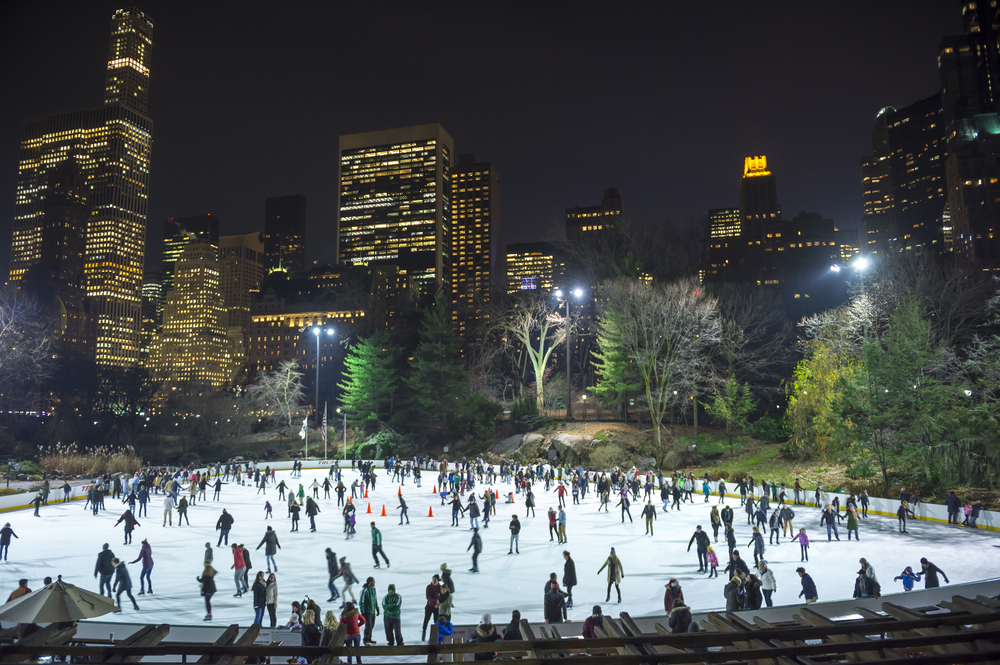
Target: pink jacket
802, 538
713, 560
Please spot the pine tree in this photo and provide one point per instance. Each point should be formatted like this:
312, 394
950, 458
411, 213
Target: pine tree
618, 379
370, 379
437, 374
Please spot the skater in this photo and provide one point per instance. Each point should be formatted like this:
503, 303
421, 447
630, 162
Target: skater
209, 554
852, 523
105, 568
432, 593
702, 541
349, 580
561, 520
757, 540
369, 608
312, 509
240, 568
552, 524
767, 584
901, 513
182, 511
615, 574
803, 544
930, 573
476, 545
865, 501
624, 503
808, 586
223, 525
334, 571
515, 530
529, 503
954, 506
787, 515
830, 519
377, 547
5, 533
392, 605
679, 620
145, 579
649, 513
168, 510
908, 577
207, 581
353, 619
713, 563
554, 602
130, 524
268, 511
673, 595
865, 587
716, 521
124, 585
402, 510
569, 577
271, 547
473, 511
775, 524
737, 566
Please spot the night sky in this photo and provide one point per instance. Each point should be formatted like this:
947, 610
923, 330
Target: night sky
660, 99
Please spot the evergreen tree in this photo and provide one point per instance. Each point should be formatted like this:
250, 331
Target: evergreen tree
370, 379
618, 378
732, 405
437, 375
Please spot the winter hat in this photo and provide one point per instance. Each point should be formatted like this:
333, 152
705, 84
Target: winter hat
392, 587
736, 552
612, 550
7, 524
486, 620
105, 546
673, 582
208, 544
861, 572
444, 566
698, 527
596, 611
924, 560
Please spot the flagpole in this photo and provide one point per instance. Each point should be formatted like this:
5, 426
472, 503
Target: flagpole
324, 431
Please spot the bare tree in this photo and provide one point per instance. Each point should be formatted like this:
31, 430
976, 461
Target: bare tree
25, 343
666, 331
280, 392
538, 331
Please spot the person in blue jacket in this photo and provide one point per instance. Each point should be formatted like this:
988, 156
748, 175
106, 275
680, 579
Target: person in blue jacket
908, 577
808, 586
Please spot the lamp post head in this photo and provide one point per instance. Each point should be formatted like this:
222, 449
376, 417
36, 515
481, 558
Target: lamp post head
835, 268
578, 292
558, 293
861, 264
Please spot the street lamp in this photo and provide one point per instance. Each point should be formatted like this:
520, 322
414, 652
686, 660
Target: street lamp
578, 293
318, 332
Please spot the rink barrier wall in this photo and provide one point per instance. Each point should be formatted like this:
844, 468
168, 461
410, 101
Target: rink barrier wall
927, 512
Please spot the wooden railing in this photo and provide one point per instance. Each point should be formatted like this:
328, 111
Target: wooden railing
962, 630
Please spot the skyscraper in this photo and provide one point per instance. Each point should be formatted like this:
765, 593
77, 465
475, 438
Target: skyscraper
394, 203
475, 203
532, 266
112, 147
726, 245
594, 219
194, 345
178, 233
758, 198
241, 271
285, 233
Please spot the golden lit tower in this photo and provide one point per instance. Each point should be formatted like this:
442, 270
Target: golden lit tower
758, 198
112, 147
394, 202
475, 205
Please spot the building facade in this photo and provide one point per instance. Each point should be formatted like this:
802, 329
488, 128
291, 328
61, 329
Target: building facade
532, 266
241, 272
285, 233
394, 203
112, 147
178, 233
475, 255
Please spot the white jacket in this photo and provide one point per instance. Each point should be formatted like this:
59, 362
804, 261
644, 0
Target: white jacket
767, 580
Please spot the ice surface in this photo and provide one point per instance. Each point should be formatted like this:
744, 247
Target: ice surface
66, 539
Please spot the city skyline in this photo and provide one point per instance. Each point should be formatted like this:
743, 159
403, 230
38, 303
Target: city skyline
814, 126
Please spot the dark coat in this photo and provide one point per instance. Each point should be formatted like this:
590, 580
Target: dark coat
680, 619
104, 566
930, 574
734, 596
207, 585
311, 507
225, 522
259, 594
555, 605
569, 573
270, 539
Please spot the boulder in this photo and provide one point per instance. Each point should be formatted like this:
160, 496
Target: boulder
532, 440
575, 442
646, 463
508, 445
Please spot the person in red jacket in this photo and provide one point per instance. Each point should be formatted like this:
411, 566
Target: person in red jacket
595, 619
240, 566
674, 595
353, 619
561, 493
432, 593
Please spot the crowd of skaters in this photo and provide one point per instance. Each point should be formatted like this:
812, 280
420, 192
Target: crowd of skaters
745, 589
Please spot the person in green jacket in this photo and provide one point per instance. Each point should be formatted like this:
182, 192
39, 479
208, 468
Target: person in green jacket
392, 605
377, 547
852, 523
369, 608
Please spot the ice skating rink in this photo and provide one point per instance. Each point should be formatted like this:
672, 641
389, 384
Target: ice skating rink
66, 539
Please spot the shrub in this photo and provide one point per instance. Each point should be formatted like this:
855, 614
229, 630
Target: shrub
767, 428
103, 459
29, 467
524, 415
476, 417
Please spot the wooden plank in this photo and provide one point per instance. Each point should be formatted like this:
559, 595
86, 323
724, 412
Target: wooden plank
149, 636
868, 614
989, 602
760, 623
739, 621
816, 619
758, 644
49, 635
227, 637
628, 648
246, 640
432, 655
959, 604
529, 636
723, 625
904, 613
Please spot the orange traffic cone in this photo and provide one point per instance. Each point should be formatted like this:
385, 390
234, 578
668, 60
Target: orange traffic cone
400, 491
430, 511
383, 510
497, 493
434, 490
366, 494
369, 508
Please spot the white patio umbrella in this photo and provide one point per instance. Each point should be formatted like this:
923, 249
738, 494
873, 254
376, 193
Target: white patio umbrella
58, 601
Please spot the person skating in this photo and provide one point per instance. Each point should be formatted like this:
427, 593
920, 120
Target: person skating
294, 511
830, 519
105, 568
908, 577
223, 526
249, 567
369, 608
473, 511
716, 521
446, 598
349, 580
624, 503
767, 584
561, 521
901, 513
615, 574
930, 573
353, 619
271, 547
312, 509
432, 594
130, 524
145, 577
757, 540
649, 513
553, 525
123, 583
377, 547
476, 545
674, 594
529, 503
713, 563
515, 530
240, 568
207, 581
402, 510
734, 594
392, 608
865, 587
168, 510
787, 515
808, 586
5, 533
182, 511
737, 566
209, 554
701, 538
679, 618
803, 540
333, 568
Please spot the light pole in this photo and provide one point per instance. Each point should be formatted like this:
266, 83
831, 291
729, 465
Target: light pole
569, 346
345, 432
317, 331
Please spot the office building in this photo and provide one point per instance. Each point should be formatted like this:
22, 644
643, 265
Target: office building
178, 233
581, 220
475, 255
194, 345
758, 198
394, 202
111, 146
241, 272
725, 243
533, 266
285, 233
153, 300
